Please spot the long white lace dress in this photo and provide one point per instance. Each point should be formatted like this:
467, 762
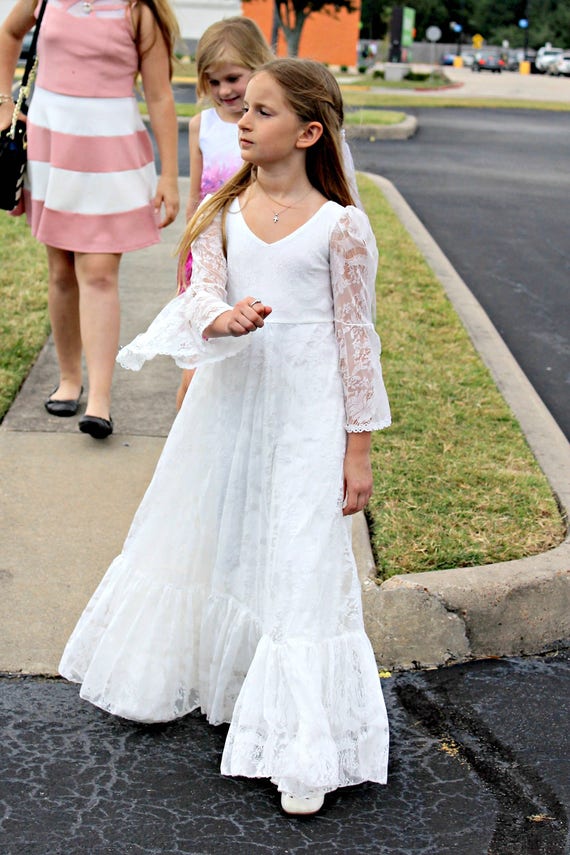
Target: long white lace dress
236, 591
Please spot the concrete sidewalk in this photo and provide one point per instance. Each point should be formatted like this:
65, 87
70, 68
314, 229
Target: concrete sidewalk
508, 85
66, 501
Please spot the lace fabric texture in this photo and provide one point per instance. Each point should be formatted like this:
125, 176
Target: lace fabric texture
346, 265
236, 591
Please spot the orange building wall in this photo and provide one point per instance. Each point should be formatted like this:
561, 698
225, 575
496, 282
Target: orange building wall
327, 38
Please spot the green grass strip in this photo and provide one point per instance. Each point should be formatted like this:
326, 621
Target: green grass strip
24, 322
456, 484
363, 98
352, 117
373, 117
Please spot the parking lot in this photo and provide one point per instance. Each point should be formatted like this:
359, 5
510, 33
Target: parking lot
508, 84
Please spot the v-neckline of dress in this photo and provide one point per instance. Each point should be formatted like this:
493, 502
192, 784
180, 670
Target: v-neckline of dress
285, 237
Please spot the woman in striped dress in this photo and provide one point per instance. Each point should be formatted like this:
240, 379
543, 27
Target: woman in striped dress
92, 191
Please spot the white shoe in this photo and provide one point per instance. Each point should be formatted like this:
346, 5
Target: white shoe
302, 805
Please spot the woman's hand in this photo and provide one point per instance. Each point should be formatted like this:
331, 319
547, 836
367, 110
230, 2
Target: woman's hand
167, 196
6, 113
358, 481
245, 317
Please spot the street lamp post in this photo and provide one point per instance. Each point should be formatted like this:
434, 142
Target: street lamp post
524, 25
457, 29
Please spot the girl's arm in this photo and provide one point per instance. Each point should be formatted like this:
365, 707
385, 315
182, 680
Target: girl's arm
353, 262
196, 165
161, 111
12, 31
206, 296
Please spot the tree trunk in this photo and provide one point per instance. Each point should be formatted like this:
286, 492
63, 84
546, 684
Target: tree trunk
275, 29
292, 27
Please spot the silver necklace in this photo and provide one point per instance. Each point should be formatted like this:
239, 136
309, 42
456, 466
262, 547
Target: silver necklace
276, 214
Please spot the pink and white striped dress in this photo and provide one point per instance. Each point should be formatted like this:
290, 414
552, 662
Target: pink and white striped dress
91, 174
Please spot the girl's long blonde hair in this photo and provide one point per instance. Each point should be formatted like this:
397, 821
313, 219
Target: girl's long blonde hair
167, 24
314, 95
233, 41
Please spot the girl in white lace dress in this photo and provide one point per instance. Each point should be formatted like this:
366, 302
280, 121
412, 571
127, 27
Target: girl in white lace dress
236, 591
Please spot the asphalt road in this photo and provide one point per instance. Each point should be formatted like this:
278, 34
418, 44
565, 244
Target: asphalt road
478, 766
493, 189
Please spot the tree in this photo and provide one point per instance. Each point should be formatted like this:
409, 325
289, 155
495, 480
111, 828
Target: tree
374, 15
292, 15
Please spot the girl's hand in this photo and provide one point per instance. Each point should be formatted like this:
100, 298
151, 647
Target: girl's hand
167, 196
358, 481
245, 317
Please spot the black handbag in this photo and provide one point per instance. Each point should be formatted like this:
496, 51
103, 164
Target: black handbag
13, 142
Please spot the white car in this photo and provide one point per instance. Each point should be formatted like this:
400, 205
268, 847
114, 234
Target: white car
546, 56
561, 65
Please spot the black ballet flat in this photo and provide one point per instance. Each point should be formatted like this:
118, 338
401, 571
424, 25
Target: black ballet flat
96, 427
64, 409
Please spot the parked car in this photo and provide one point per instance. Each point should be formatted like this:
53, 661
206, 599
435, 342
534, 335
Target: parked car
515, 56
488, 60
546, 56
513, 59
447, 59
560, 65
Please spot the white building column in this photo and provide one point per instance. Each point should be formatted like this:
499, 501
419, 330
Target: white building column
194, 16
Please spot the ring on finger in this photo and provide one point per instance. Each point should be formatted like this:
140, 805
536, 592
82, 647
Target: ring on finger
251, 305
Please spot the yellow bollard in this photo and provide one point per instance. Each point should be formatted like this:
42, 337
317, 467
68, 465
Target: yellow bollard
524, 67
458, 62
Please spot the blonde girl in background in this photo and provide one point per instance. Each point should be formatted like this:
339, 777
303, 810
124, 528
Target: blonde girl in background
227, 54
237, 591
92, 191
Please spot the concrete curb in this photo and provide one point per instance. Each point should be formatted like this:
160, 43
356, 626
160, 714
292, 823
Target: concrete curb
425, 620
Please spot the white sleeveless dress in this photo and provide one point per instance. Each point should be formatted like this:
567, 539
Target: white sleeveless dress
221, 154
236, 591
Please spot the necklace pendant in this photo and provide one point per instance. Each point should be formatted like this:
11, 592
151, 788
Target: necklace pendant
275, 217
87, 7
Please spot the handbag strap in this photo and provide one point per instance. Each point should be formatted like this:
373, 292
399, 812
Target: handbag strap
31, 60
21, 105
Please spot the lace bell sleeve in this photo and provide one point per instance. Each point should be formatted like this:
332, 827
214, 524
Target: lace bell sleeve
353, 264
177, 330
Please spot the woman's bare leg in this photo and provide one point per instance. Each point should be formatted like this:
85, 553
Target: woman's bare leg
63, 305
185, 380
99, 312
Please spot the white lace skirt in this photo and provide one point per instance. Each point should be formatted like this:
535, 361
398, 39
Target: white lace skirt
236, 591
